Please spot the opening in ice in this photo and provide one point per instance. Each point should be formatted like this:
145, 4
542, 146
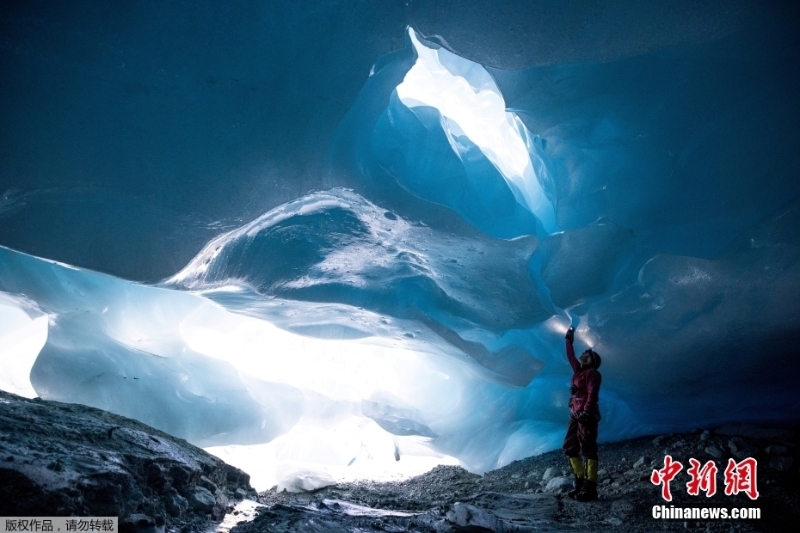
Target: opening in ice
471, 105
332, 440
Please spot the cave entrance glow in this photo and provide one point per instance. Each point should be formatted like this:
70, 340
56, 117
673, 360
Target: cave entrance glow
21, 339
471, 105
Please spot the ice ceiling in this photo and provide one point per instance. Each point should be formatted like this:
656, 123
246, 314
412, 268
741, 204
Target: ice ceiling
325, 245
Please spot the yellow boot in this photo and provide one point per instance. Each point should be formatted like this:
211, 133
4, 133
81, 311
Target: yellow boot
577, 469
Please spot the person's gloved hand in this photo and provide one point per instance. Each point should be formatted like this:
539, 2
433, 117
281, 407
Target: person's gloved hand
570, 336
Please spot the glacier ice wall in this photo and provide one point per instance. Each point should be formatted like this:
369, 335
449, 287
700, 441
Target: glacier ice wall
343, 256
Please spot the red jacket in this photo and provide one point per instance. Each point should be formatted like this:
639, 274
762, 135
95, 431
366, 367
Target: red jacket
585, 383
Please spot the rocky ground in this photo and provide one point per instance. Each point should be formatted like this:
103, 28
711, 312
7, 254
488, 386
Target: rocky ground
528, 495
70, 460
62, 459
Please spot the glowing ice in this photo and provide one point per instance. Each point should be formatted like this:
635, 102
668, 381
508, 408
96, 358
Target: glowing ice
22, 337
317, 453
471, 105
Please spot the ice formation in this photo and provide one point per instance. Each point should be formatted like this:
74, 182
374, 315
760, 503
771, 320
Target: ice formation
473, 115
409, 306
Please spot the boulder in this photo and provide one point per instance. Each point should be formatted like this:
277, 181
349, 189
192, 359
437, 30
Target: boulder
470, 517
75, 460
549, 474
560, 485
140, 523
201, 499
175, 504
713, 451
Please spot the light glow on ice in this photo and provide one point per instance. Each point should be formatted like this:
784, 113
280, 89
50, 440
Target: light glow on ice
315, 454
342, 370
471, 105
21, 339
321, 450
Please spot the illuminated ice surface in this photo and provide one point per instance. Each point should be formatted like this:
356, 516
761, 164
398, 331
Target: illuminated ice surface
412, 311
315, 454
23, 332
472, 109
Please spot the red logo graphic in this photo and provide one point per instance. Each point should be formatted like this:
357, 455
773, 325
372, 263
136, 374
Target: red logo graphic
739, 477
704, 479
665, 475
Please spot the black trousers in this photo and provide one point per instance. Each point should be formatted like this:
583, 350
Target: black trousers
581, 438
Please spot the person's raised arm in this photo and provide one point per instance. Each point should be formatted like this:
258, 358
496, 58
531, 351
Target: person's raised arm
573, 362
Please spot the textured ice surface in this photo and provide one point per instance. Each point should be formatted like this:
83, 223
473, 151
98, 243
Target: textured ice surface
327, 309
411, 300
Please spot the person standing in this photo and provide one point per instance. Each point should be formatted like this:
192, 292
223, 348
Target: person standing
581, 438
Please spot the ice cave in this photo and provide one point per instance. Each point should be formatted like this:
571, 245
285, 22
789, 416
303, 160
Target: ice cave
332, 240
